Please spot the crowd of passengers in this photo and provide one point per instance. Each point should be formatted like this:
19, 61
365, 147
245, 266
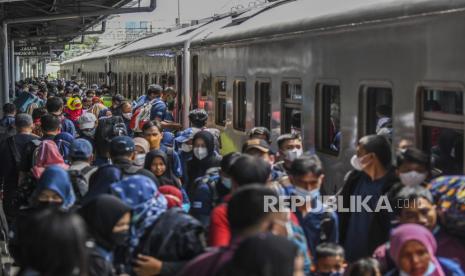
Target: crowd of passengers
93, 187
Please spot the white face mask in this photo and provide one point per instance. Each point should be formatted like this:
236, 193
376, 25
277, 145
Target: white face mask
412, 178
140, 159
186, 148
200, 153
293, 154
355, 162
127, 116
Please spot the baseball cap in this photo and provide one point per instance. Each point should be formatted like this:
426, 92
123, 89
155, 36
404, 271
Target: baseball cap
260, 131
80, 149
259, 144
121, 145
186, 135
87, 121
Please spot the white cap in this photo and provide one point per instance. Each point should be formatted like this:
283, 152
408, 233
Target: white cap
87, 121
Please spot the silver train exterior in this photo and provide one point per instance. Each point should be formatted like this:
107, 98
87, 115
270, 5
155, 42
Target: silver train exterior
334, 61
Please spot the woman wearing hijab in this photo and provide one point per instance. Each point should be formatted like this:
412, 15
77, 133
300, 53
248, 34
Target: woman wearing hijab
107, 219
413, 249
47, 155
156, 161
265, 255
142, 148
204, 157
54, 189
161, 241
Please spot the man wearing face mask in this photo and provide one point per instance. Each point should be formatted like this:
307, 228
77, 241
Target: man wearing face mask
413, 167
319, 223
126, 113
373, 176
290, 148
87, 124
122, 154
183, 146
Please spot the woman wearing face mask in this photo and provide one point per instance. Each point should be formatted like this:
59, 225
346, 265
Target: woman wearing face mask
413, 249
152, 132
142, 148
203, 159
54, 189
107, 219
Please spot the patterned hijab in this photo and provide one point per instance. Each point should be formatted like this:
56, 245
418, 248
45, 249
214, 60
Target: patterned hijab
147, 203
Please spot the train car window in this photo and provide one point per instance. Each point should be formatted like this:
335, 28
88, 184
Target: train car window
129, 91
375, 111
141, 85
146, 83
441, 128
120, 85
328, 134
205, 90
125, 84
220, 109
291, 93
239, 104
263, 104
443, 101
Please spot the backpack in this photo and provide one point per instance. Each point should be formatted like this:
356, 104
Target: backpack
174, 236
211, 178
63, 141
6, 131
107, 129
26, 182
27, 102
79, 182
142, 115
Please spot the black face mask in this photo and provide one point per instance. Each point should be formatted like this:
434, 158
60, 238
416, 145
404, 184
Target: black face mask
48, 204
120, 238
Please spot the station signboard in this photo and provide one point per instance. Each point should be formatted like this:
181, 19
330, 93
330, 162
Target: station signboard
32, 51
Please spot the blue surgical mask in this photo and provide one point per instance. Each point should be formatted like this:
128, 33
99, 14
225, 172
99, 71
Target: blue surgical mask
227, 182
306, 193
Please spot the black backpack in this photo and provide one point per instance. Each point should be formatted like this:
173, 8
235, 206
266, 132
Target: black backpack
79, 182
6, 132
107, 129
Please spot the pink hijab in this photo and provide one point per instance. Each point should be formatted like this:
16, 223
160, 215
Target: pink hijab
47, 155
407, 232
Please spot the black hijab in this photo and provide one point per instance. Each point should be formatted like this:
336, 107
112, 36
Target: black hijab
168, 178
101, 215
263, 255
197, 168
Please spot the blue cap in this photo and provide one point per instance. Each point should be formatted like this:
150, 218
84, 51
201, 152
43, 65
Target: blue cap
80, 149
121, 145
185, 135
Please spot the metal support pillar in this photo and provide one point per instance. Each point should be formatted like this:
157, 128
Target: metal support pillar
6, 56
13, 68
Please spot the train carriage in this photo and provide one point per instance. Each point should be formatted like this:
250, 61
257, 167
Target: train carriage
338, 66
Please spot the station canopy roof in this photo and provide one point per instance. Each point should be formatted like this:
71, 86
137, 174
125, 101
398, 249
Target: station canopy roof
52, 22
